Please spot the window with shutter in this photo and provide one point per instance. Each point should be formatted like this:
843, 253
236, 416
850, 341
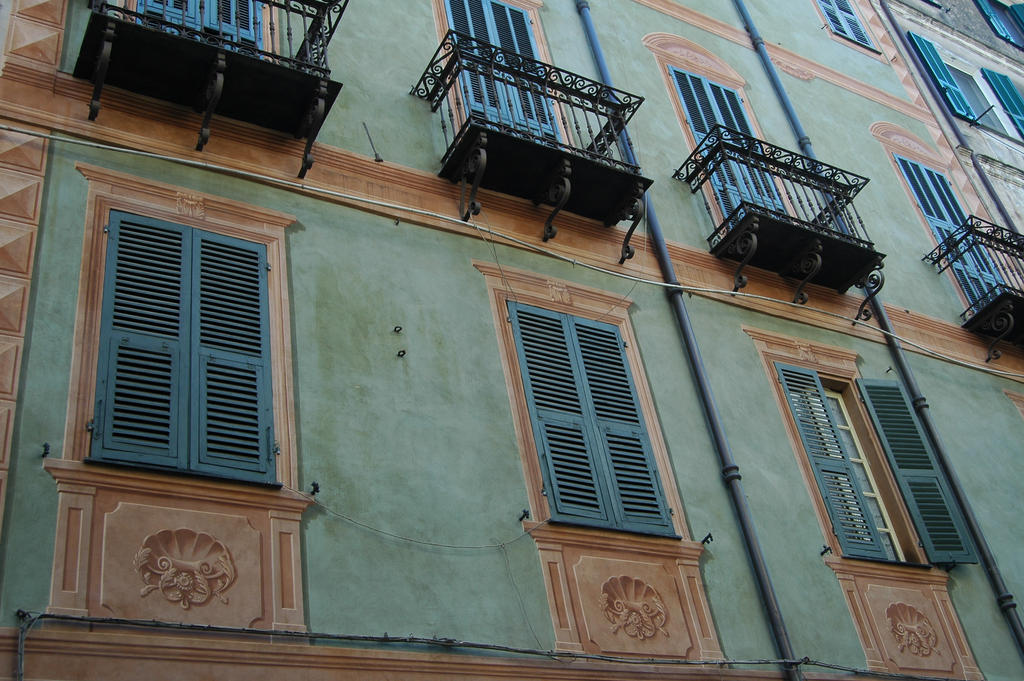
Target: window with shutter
507, 27
974, 272
596, 457
944, 80
843, 20
842, 470
236, 20
1003, 20
1009, 97
183, 379
708, 104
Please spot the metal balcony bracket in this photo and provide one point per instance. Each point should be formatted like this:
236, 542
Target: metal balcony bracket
99, 74
632, 207
871, 284
806, 265
999, 323
742, 248
471, 173
211, 97
311, 125
556, 191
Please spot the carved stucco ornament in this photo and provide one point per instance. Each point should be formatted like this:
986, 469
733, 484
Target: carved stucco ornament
634, 607
912, 630
187, 567
190, 204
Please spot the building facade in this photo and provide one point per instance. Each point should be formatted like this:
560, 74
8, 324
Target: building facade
511, 339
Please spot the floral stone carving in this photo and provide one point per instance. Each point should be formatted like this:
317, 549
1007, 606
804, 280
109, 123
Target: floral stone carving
633, 606
187, 567
911, 629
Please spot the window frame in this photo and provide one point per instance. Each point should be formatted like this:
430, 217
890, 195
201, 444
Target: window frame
114, 191
506, 284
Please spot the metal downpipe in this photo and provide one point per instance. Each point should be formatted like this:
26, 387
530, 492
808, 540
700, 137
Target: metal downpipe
730, 470
950, 121
1004, 599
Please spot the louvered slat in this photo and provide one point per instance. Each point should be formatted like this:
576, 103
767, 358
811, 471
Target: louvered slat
836, 478
932, 507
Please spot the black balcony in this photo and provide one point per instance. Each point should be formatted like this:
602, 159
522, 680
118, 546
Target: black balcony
988, 263
262, 62
783, 212
532, 130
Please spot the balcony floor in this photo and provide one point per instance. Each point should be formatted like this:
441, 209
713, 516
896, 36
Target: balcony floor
520, 166
845, 260
175, 69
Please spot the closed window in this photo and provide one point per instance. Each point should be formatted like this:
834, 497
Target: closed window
847, 472
184, 376
590, 434
843, 20
233, 19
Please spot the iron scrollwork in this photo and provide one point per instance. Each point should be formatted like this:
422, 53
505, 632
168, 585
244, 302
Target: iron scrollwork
214, 89
471, 174
871, 284
633, 208
999, 323
743, 248
556, 192
806, 265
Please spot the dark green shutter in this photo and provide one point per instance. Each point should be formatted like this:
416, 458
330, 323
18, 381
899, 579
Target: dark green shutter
595, 453
1008, 96
837, 481
232, 416
942, 77
843, 20
141, 406
936, 516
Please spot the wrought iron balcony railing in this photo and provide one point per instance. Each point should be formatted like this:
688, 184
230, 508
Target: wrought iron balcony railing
988, 263
526, 128
784, 212
260, 61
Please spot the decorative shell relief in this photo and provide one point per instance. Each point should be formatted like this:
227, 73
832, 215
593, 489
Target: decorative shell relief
187, 567
633, 606
912, 630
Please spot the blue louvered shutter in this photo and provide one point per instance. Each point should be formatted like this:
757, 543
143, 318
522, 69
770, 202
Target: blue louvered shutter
834, 473
943, 78
141, 389
232, 415
1017, 15
708, 104
235, 19
973, 270
996, 21
1009, 97
594, 448
480, 93
175, 11
843, 20
938, 520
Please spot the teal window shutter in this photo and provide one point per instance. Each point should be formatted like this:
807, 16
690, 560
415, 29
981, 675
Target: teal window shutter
936, 516
232, 417
235, 19
1017, 14
1009, 97
595, 453
708, 104
942, 77
999, 19
843, 20
174, 11
183, 377
141, 404
974, 270
834, 473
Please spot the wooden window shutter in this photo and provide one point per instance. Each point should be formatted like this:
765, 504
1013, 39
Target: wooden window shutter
942, 77
594, 449
141, 398
844, 21
1008, 96
936, 515
836, 478
232, 417
994, 20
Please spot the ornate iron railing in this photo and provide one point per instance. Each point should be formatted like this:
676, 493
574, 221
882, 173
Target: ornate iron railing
292, 33
469, 82
750, 174
987, 261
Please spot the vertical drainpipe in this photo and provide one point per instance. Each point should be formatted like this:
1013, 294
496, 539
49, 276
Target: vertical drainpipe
1004, 599
730, 471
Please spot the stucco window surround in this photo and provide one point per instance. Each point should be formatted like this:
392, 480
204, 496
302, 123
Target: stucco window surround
586, 568
114, 522
869, 22
884, 599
